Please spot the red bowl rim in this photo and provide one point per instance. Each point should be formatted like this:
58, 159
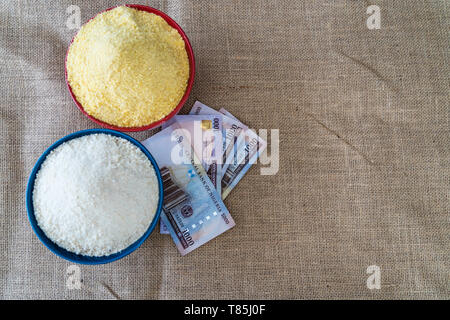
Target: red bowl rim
191, 58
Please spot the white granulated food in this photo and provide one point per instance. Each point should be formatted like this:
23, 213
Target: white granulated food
95, 195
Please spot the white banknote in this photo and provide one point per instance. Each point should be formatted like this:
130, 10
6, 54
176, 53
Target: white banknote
244, 156
205, 136
232, 129
193, 211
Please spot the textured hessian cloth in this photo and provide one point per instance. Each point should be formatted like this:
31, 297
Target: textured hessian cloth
364, 151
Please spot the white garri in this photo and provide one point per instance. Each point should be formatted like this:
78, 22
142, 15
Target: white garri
95, 195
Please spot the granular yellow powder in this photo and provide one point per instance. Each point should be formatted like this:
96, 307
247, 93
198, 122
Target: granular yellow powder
128, 67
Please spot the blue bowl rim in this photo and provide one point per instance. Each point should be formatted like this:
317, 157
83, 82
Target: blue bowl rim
77, 258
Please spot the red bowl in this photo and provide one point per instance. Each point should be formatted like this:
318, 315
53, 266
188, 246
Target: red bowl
191, 58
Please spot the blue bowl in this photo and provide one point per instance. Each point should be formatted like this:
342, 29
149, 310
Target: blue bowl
63, 253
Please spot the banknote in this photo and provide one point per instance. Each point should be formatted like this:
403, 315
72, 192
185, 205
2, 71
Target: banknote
163, 228
205, 133
206, 139
232, 129
244, 156
193, 211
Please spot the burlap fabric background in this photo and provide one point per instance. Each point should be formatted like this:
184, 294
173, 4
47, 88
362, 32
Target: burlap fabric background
364, 151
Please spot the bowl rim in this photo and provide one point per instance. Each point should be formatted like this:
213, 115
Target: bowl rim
77, 258
187, 92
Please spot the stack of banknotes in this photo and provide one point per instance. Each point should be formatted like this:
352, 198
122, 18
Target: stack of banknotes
202, 156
